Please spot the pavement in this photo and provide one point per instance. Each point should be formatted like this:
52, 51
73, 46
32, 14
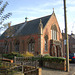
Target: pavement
46, 71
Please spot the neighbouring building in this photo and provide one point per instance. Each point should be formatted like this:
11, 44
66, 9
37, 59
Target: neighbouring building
72, 43
39, 36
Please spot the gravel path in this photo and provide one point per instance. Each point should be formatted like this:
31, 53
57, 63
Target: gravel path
46, 71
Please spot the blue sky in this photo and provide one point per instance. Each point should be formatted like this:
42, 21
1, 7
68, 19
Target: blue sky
38, 8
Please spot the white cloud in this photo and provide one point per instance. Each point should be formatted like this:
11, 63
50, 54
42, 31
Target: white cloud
71, 2
71, 9
44, 9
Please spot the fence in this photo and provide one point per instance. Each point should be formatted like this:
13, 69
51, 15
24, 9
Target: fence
43, 62
25, 70
28, 70
26, 61
8, 68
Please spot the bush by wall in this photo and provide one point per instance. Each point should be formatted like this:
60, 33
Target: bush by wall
51, 62
11, 55
49, 58
27, 54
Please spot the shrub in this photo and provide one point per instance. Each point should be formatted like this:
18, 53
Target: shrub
53, 59
11, 55
49, 58
27, 54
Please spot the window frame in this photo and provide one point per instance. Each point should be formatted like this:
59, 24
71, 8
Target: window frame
46, 43
53, 32
31, 45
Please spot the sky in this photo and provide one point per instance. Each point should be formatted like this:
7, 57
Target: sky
33, 9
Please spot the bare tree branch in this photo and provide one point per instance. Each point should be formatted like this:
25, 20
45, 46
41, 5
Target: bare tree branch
6, 16
1, 2
3, 7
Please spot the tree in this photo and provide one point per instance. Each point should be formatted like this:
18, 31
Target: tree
10, 31
3, 17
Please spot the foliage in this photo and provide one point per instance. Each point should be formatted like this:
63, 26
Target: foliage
2, 8
49, 58
11, 55
54, 59
39, 57
0, 64
27, 54
15, 53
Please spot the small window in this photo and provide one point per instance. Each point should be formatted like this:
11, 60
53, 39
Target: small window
73, 46
23, 45
17, 46
6, 47
31, 45
10, 46
46, 43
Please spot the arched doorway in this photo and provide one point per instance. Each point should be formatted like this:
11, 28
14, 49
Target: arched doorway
59, 53
53, 50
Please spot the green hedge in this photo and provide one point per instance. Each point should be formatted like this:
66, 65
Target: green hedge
54, 59
40, 58
11, 55
49, 58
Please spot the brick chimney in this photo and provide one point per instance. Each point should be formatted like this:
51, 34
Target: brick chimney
26, 19
9, 24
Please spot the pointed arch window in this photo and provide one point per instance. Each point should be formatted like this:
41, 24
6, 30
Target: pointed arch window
54, 32
17, 46
46, 43
31, 45
7, 47
6, 43
10, 46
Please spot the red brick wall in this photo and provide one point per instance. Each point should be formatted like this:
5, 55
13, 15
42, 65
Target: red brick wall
46, 31
26, 39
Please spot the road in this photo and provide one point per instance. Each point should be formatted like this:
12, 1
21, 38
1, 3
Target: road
72, 68
56, 72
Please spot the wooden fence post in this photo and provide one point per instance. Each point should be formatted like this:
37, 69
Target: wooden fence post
39, 71
14, 59
22, 67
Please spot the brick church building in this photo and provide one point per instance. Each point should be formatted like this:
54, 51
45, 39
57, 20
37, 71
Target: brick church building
39, 36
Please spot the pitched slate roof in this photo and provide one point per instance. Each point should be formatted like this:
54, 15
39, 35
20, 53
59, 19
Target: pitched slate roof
13, 30
30, 27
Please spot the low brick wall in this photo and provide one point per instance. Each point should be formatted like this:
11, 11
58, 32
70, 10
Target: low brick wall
30, 70
55, 65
